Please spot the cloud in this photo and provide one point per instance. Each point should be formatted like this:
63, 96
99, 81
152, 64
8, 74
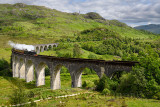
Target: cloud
128, 11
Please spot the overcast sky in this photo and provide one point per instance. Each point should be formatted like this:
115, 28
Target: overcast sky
132, 12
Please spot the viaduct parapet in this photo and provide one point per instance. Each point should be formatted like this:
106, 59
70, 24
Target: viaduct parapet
25, 66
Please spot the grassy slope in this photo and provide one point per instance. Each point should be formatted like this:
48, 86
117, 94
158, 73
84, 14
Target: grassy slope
85, 54
95, 99
130, 32
37, 24
7, 84
83, 100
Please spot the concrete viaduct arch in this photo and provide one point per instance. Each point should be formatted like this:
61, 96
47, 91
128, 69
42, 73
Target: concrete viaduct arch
23, 67
43, 47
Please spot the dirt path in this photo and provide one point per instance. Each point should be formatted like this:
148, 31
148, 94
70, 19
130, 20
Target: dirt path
63, 96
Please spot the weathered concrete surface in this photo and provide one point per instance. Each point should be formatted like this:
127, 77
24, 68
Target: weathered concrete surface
24, 66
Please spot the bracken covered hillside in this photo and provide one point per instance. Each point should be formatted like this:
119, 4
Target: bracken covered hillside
21, 20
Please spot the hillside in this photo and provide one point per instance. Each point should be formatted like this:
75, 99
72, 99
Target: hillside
154, 28
79, 36
21, 20
32, 24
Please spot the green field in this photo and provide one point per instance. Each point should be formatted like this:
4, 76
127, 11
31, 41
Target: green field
96, 99
91, 98
8, 84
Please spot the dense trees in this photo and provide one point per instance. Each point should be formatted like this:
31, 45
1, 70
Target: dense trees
109, 42
144, 80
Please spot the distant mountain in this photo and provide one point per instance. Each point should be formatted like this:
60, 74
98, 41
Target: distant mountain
154, 28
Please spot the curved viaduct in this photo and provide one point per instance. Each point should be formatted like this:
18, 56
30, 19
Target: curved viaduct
43, 47
24, 66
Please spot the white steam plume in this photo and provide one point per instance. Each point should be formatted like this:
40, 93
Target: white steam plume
21, 46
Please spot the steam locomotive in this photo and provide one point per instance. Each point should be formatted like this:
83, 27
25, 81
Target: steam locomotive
24, 52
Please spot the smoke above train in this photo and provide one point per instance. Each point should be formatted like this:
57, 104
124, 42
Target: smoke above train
21, 46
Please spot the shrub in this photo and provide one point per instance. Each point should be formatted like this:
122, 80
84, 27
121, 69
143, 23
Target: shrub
102, 84
18, 96
88, 71
66, 55
49, 48
133, 82
92, 56
62, 46
157, 96
88, 84
152, 89
76, 51
105, 82
64, 70
84, 84
106, 91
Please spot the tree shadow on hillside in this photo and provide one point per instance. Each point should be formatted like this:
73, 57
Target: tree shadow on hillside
6, 73
20, 82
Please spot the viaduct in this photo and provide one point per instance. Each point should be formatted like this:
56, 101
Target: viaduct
24, 66
43, 47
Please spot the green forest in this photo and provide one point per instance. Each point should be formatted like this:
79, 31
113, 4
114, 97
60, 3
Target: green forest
88, 36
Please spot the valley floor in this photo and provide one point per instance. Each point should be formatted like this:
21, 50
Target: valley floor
86, 98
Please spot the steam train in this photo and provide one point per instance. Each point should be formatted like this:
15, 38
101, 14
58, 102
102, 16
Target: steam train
24, 52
